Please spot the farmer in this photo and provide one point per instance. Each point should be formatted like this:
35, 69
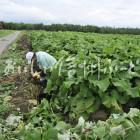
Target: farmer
40, 62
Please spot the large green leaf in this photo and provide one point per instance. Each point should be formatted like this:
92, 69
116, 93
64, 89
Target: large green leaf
102, 84
83, 100
50, 134
33, 135
111, 102
134, 135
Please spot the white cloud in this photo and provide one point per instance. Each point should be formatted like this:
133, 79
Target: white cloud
97, 12
11, 11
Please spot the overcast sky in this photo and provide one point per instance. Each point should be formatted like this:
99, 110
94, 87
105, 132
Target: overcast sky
119, 13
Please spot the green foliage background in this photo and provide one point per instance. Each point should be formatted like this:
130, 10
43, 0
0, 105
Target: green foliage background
94, 71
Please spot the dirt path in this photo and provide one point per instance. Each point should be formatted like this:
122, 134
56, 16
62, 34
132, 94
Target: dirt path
7, 40
24, 96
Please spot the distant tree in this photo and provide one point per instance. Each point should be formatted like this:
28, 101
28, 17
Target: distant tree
1, 25
69, 27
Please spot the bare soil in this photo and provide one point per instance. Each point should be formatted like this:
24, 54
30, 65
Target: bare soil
24, 95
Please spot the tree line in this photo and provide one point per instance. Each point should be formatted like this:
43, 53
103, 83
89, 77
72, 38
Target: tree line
69, 27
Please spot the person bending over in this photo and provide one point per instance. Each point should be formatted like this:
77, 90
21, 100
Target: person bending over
40, 62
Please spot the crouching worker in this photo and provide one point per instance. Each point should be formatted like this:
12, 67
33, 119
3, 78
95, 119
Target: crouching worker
40, 62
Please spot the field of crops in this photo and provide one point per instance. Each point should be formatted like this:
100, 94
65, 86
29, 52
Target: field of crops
5, 32
92, 93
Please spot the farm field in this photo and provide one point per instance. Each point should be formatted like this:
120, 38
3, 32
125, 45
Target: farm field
5, 32
92, 93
